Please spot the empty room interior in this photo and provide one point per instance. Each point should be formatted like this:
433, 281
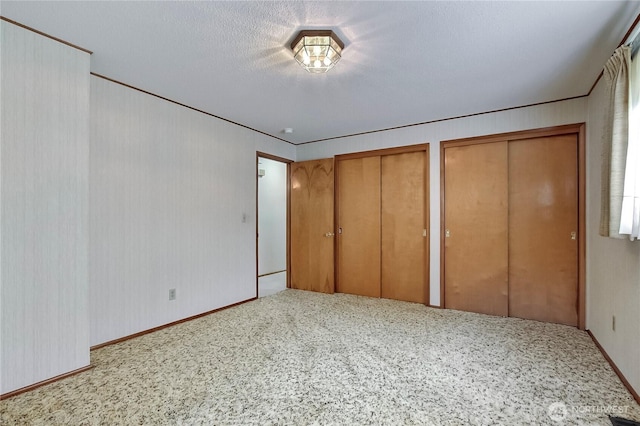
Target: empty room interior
310, 212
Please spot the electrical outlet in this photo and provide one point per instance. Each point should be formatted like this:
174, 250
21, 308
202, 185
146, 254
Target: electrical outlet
172, 294
613, 323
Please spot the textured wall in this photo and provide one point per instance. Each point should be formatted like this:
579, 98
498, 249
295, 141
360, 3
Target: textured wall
272, 217
558, 113
44, 168
613, 266
169, 188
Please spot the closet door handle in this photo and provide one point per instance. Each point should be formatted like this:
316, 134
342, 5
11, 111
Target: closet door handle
573, 235
447, 234
329, 234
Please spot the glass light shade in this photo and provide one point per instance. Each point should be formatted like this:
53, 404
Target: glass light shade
317, 51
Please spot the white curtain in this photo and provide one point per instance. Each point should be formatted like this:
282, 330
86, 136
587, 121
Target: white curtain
615, 140
630, 215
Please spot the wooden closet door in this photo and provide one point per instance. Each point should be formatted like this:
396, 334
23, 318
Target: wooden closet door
543, 227
403, 236
312, 228
359, 221
476, 223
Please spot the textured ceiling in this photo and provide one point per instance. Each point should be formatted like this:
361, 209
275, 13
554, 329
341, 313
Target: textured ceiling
404, 62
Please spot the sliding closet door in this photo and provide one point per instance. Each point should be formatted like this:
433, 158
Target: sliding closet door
358, 190
403, 231
543, 229
312, 228
476, 223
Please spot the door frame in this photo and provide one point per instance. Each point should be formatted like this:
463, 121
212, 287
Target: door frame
288, 162
579, 130
336, 205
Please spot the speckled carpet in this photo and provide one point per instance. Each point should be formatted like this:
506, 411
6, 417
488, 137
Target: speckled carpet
300, 358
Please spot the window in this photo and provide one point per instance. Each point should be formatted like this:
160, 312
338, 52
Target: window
620, 209
630, 212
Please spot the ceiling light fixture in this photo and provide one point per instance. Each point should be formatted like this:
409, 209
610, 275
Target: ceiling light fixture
317, 51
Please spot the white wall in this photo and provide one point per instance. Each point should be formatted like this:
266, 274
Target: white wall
272, 217
613, 266
169, 187
44, 168
553, 114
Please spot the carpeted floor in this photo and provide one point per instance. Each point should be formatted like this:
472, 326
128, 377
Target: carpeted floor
299, 358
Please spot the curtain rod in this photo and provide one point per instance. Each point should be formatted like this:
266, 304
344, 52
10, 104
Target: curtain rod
633, 32
632, 37
633, 41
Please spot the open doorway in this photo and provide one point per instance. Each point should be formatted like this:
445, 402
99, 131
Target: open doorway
272, 224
